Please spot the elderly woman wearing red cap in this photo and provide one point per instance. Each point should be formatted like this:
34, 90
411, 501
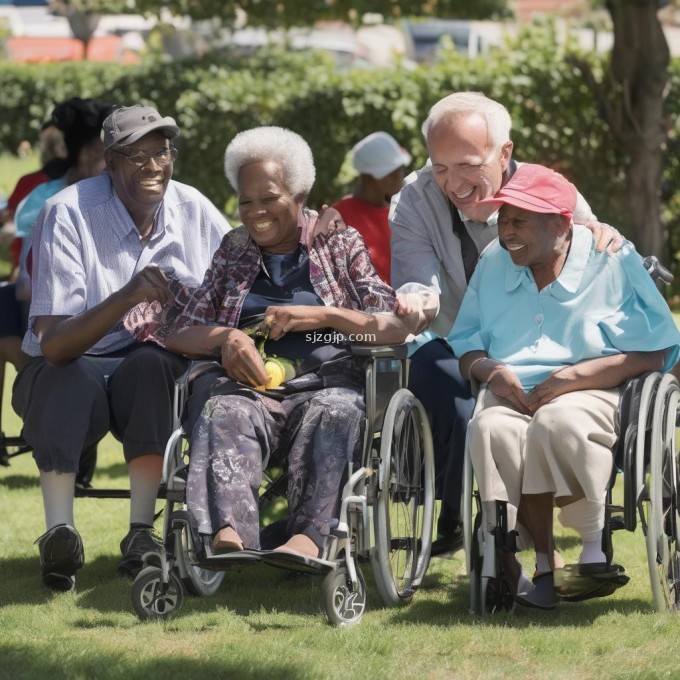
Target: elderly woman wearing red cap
554, 328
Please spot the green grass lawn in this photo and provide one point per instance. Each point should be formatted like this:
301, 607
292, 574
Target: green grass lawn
261, 624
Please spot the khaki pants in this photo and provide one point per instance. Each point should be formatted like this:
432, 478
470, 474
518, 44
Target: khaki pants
565, 448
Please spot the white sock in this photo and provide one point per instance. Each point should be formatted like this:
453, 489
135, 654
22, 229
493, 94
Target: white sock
587, 518
143, 492
58, 492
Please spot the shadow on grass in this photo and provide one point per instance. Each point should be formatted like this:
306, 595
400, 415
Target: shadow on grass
253, 589
456, 611
20, 481
98, 578
29, 661
100, 588
566, 542
113, 470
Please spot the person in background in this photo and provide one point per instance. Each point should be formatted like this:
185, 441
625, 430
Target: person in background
74, 128
380, 162
53, 154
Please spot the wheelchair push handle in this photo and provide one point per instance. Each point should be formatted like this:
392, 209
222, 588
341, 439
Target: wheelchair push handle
657, 271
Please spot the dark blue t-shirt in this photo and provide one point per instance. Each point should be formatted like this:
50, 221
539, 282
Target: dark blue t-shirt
284, 280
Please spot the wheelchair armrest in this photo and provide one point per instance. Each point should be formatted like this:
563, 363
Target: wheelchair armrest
380, 351
657, 271
197, 367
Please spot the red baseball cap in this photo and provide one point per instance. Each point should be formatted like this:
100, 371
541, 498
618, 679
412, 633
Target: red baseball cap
537, 189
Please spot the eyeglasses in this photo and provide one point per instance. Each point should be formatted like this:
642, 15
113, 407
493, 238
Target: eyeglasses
162, 157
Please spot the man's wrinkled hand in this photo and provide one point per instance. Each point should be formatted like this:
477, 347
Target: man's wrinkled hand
147, 285
605, 237
292, 318
553, 386
330, 220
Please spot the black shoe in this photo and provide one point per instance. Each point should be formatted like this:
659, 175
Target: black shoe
448, 543
61, 555
134, 547
542, 595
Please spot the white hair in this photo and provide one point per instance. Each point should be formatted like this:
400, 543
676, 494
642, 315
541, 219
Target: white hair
269, 143
497, 118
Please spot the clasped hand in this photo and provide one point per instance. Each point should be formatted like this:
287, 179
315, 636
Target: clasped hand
504, 383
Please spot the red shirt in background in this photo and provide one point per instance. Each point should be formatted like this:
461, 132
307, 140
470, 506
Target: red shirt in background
372, 223
23, 187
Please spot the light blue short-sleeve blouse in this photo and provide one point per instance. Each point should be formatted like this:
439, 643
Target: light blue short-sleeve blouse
601, 304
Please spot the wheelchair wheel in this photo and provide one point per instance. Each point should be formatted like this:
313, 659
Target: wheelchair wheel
149, 599
469, 521
404, 505
663, 519
636, 405
197, 581
344, 606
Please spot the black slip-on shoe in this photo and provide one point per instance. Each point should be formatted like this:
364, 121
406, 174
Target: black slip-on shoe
61, 555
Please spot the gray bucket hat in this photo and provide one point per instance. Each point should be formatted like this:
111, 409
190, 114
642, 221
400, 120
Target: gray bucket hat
130, 123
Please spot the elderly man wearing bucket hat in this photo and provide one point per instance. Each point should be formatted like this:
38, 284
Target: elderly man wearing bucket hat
554, 328
99, 248
380, 162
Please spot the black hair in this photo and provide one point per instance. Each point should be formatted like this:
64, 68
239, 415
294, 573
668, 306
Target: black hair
81, 121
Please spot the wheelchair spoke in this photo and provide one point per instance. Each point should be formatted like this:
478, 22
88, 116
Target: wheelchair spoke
404, 507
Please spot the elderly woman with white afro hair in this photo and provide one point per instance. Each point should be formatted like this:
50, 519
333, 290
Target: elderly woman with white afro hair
284, 147
305, 297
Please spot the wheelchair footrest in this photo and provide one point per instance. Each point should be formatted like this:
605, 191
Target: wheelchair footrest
575, 587
293, 562
233, 560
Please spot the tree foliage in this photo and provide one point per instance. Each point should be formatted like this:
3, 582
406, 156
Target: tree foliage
288, 13
557, 119
631, 98
65, 7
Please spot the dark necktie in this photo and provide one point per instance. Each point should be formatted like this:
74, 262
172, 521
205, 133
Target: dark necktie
468, 248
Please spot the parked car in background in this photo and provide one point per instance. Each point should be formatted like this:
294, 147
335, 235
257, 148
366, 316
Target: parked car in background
423, 38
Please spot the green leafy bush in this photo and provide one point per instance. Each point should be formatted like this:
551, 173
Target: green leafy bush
556, 121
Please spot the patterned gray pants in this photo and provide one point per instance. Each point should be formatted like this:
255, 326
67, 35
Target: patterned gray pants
235, 436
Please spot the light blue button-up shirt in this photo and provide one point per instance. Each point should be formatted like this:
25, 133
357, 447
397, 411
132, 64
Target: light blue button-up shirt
600, 305
86, 247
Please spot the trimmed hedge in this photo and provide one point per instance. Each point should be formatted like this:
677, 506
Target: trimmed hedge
555, 119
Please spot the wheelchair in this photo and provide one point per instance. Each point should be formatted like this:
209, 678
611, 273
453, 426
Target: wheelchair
386, 511
644, 456
11, 446
646, 459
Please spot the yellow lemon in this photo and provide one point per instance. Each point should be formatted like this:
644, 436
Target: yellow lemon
288, 367
275, 371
